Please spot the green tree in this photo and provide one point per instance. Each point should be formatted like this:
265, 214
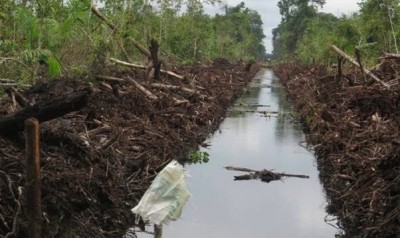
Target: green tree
240, 33
381, 18
66, 35
296, 14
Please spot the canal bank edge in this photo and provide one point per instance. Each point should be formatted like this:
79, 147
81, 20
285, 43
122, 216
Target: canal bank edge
98, 160
353, 129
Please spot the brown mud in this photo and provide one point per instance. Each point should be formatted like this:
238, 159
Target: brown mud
353, 127
98, 161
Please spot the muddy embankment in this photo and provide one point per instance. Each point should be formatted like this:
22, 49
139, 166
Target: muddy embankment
353, 127
98, 161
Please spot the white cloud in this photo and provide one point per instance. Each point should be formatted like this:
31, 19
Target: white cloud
339, 7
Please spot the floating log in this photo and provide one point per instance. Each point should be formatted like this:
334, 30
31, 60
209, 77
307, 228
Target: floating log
264, 175
52, 109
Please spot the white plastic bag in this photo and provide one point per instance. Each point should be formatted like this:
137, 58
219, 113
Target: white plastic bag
166, 196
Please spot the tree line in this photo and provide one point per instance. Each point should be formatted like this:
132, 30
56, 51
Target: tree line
305, 33
65, 36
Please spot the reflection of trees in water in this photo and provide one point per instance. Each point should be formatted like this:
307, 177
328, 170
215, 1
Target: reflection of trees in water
245, 103
285, 128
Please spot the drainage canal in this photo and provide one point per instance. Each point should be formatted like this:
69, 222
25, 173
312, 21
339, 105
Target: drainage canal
259, 134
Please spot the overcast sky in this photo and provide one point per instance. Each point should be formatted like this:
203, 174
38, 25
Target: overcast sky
269, 12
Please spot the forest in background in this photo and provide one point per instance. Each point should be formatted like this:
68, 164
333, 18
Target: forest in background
45, 39
305, 33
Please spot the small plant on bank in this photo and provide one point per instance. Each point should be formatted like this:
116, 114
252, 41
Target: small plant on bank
198, 157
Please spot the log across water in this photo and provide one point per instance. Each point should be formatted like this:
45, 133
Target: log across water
264, 174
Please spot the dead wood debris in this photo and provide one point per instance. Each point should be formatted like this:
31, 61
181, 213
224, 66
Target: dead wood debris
354, 131
97, 161
264, 175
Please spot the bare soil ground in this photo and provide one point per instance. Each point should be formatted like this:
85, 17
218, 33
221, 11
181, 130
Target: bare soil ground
354, 130
98, 161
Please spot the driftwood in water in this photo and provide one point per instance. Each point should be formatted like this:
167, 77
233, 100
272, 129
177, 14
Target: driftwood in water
52, 109
264, 175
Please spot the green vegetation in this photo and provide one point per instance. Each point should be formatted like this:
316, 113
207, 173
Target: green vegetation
44, 39
198, 157
305, 33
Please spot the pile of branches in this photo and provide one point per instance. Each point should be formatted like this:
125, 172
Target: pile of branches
100, 157
353, 125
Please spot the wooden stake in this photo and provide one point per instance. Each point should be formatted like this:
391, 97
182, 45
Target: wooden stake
33, 192
156, 63
157, 231
340, 61
358, 56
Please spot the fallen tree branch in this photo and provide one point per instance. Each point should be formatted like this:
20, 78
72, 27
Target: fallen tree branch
3, 223
128, 64
110, 79
140, 47
17, 201
21, 99
4, 59
114, 28
15, 84
391, 56
14, 102
354, 62
177, 102
264, 175
103, 18
142, 89
173, 87
53, 109
2, 80
14, 230
170, 73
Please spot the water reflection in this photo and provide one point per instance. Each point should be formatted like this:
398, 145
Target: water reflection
284, 124
220, 207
